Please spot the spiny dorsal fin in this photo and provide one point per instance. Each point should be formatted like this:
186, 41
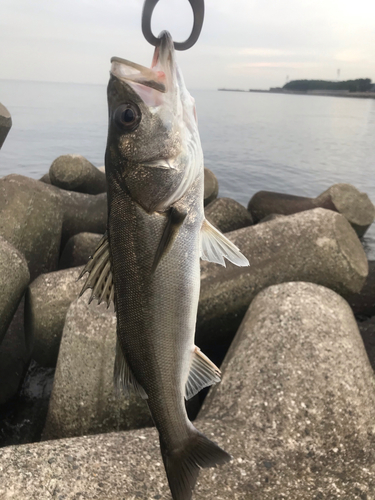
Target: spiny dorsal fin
215, 246
100, 277
203, 373
123, 377
174, 222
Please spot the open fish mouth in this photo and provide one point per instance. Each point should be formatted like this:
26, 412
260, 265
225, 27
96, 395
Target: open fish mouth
159, 77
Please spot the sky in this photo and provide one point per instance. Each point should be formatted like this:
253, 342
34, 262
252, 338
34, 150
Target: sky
244, 43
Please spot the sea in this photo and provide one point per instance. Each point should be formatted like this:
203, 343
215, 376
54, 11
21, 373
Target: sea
295, 144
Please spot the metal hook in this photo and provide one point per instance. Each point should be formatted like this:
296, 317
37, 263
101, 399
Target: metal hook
198, 11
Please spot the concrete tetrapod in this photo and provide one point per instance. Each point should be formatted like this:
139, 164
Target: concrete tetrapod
355, 206
294, 408
211, 186
75, 173
318, 246
31, 220
228, 215
83, 400
47, 301
14, 278
5, 123
78, 249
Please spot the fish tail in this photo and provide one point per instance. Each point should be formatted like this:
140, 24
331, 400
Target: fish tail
182, 465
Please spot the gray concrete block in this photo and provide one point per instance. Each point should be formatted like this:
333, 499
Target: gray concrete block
363, 302
318, 246
345, 199
83, 400
228, 215
5, 123
78, 249
31, 220
47, 301
211, 186
75, 173
14, 278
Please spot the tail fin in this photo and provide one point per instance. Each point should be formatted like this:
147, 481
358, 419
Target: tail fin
182, 465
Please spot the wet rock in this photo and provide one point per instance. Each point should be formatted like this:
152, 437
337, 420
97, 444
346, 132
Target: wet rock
15, 354
47, 301
45, 178
355, 206
228, 215
31, 220
83, 400
211, 186
317, 246
5, 123
363, 303
14, 278
78, 250
367, 329
75, 173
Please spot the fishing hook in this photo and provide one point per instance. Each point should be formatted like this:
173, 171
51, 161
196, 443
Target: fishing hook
198, 12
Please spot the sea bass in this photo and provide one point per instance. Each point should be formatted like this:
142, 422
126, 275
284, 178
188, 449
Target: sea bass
148, 262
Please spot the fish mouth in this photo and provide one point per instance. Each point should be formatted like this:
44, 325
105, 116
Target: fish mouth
161, 74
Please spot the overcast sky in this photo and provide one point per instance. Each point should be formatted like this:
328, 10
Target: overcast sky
244, 43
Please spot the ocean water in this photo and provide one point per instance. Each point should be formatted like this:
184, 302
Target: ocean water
294, 144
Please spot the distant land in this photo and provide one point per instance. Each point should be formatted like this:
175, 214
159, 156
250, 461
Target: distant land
362, 88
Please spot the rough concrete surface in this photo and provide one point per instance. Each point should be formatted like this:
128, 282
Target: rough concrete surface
318, 246
5, 123
78, 250
31, 220
355, 206
75, 173
211, 186
295, 409
47, 301
363, 302
83, 400
14, 278
228, 215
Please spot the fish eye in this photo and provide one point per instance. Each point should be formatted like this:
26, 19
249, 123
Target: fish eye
127, 116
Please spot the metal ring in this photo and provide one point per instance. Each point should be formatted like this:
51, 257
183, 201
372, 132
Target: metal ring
198, 11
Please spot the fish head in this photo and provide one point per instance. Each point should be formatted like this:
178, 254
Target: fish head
153, 140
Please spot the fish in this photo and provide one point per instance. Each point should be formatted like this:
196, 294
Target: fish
148, 262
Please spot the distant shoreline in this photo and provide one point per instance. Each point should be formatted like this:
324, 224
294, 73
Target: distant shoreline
332, 93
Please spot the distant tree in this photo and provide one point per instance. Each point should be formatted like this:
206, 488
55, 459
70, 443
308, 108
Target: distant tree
359, 85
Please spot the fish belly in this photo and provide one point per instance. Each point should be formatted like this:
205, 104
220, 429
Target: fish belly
156, 312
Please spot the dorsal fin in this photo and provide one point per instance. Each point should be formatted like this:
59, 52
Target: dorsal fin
215, 246
100, 278
203, 373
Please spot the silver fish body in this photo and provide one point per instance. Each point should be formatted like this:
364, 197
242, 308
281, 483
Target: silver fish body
157, 234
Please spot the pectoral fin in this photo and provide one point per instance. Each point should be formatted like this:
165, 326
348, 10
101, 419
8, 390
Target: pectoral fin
203, 373
174, 222
123, 377
215, 246
100, 278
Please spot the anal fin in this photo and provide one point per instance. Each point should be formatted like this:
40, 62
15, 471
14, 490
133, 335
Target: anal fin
100, 278
215, 246
174, 222
203, 373
123, 377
